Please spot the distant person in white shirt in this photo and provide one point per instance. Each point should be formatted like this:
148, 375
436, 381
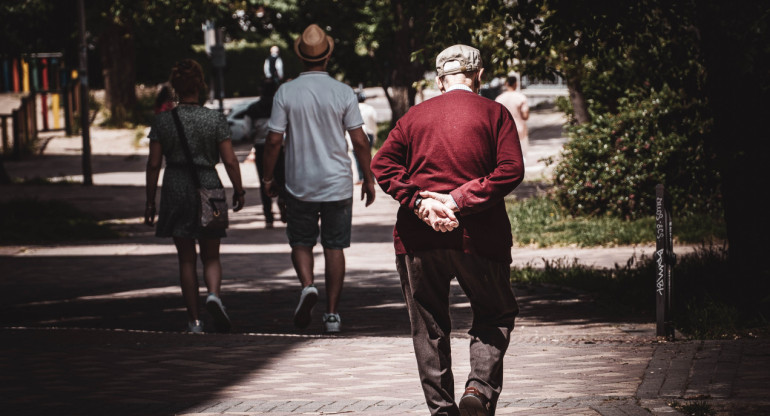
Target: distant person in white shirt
516, 103
274, 66
369, 114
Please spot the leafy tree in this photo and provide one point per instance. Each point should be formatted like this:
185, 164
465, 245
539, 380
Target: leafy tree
642, 123
709, 53
165, 24
114, 27
601, 48
37, 26
390, 43
374, 40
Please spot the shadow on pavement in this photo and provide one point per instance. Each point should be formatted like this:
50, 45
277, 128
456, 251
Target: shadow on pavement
86, 372
259, 290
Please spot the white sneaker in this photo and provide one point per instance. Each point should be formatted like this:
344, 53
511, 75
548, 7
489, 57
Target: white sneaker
332, 323
307, 300
195, 327
217, 311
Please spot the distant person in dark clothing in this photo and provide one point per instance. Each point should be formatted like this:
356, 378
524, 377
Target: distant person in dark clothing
259, 114
273, 67
450, 161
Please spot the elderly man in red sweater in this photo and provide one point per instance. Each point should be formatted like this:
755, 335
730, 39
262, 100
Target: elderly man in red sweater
450, 161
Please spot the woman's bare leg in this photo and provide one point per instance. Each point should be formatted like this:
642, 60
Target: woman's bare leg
212, 267
188, 276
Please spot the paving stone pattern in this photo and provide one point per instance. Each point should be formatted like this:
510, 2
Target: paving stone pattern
95, 328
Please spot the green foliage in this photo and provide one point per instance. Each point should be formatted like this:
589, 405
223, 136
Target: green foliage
612, 164
26, 221
541, 222
36, 26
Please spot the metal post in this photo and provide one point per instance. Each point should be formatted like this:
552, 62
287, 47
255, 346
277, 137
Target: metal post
664, 260
84, 121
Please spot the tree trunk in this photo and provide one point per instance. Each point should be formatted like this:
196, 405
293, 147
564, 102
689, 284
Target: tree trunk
118, 57
403, 73
399, 102
578, 100
738, 93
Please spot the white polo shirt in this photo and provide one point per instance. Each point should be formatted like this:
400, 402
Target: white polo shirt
315, 110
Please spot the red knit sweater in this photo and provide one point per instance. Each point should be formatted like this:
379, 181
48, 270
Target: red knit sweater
458, 143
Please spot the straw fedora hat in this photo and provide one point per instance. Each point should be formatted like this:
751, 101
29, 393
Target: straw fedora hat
314, 44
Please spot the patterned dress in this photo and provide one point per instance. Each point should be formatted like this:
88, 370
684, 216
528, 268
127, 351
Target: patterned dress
205, 129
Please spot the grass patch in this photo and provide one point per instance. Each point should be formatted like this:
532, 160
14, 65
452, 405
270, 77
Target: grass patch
541, 222
702, 308
25, 221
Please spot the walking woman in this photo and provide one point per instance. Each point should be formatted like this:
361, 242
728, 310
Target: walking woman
208, 137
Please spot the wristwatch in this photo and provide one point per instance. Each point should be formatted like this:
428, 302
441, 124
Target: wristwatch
417, 202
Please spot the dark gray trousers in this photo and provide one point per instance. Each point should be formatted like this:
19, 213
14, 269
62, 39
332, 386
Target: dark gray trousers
425, 278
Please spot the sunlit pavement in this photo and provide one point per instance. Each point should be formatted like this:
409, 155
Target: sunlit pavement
96, 327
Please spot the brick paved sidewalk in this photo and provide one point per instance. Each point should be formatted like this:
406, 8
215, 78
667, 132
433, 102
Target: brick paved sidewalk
95, 328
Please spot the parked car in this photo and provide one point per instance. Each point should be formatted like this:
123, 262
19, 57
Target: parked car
240, 128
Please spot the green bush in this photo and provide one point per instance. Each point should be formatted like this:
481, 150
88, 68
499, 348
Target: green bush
612, 164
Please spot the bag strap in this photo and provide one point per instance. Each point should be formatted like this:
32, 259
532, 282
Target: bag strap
186, 147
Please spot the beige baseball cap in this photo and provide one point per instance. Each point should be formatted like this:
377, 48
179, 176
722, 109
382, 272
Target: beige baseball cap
458, 58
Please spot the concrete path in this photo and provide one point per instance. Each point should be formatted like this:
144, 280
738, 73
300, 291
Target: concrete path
97, 327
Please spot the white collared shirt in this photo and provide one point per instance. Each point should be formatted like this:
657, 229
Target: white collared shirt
459, 87
315, 110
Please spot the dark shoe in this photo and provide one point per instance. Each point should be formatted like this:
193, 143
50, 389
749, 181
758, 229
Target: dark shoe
217, 311
307, 300
473, 403
195, 327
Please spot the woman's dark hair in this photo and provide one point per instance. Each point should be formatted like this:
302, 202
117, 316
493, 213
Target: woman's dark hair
163, 96
187, 77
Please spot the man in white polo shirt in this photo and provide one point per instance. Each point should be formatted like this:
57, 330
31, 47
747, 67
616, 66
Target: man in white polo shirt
314, 111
